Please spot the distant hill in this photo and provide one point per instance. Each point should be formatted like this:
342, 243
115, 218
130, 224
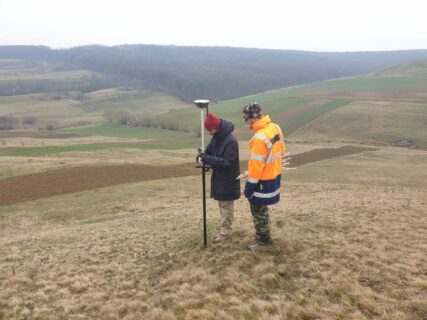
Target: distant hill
384, 107
188, 73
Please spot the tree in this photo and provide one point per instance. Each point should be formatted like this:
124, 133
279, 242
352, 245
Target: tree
7, 122
29, 120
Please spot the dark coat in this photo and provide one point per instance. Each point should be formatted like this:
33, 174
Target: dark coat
222, 154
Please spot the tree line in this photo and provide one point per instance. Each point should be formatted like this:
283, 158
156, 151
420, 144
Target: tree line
189, 73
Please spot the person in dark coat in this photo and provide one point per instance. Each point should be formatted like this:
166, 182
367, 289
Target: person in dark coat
222, 155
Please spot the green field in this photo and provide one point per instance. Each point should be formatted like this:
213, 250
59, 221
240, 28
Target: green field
9, 100
116, 130
148, 103
367, 84
157, 139
296, 108
414, 70
276, 104
305, 117
45, 151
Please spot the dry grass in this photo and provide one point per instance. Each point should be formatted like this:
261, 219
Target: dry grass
15, 166
341, 251
27, 142
375, 122
395, 167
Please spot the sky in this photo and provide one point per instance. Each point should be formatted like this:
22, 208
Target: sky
312, 25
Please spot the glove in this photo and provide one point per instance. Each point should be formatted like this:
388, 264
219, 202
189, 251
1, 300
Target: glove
201, 158
249, 189
200, 161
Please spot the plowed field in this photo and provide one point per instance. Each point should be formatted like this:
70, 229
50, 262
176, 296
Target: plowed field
69, 180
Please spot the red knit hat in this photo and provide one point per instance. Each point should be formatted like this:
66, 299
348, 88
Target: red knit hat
212, 122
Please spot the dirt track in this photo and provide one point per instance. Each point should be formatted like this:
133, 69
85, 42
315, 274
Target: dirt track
69, 180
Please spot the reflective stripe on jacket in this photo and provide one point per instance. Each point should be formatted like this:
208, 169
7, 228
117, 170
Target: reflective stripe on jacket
265, 163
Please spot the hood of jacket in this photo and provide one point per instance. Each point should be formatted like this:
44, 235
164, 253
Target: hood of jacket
226, 127
262, 123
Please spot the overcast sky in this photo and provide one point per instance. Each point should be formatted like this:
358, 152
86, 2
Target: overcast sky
317, 25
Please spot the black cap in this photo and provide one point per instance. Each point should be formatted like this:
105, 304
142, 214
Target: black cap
252, 110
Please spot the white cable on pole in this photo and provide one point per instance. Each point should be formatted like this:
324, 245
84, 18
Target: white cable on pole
202, 104
202, 130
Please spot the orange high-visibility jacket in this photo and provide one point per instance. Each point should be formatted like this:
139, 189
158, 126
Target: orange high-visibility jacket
267, 148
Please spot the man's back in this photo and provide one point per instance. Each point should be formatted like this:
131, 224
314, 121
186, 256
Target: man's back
264, 166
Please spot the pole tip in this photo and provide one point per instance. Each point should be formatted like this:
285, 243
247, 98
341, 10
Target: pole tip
202, 104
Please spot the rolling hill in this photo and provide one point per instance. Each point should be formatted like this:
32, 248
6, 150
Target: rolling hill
381, 107
104, 221
64, 98
190, 72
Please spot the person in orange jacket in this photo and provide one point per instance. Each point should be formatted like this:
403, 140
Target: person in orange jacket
262, 187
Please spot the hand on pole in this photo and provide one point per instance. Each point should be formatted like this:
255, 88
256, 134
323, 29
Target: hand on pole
243, 175
201, 161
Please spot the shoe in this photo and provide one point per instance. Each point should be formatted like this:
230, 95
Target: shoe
222, 237
259, 246
250, 244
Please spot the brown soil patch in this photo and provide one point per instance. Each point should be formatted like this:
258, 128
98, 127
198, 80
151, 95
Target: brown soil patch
325, 153
69, 180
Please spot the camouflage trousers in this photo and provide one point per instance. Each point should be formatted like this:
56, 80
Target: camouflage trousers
261, 218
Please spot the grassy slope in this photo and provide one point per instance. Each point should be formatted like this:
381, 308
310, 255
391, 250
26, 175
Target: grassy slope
370, 83
349, 240
415, 70
276, 104
297, 107
370, 122
71, 109
17, 70
347, 246
293, 109
147, 104
154, 139
383, 117
406, 77
302, 114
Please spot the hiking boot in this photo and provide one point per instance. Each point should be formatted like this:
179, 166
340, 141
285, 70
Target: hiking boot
259, 246
250, 244
222, 238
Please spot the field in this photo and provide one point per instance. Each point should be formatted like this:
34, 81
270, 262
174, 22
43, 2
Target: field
349, 243
54, 107
103, 221
383, 107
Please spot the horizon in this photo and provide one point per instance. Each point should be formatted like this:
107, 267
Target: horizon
329, 26
201, 46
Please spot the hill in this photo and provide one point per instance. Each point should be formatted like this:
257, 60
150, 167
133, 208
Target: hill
104, 221
63, 97
349, 243
382, 107
216, 72
388, 107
